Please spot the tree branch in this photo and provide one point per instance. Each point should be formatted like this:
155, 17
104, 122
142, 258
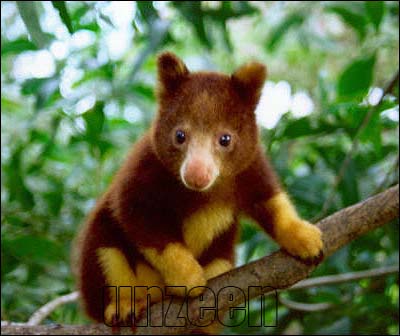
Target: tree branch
279, 270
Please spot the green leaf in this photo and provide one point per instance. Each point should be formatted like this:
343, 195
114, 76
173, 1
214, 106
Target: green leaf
156, 37
372, 134
356, 78
81, 18
107, 20
306, 189
10, 105
45, 89
230, 9
15, 182
296, 128
78, 13
248, 230
55, 197
226, 37
105, 71
305, 126
29, 15
94, 121
147, 11
375, 11
353, 14
16, 46
193, 13
329, 294
339, 327
279, 32
348, 186
143, 90
33, 249
62, 10
32, 85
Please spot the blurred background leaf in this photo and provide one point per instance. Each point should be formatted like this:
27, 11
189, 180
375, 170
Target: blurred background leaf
62, 9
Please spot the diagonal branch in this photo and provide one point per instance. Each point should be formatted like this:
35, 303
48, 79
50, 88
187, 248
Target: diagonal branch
278, 270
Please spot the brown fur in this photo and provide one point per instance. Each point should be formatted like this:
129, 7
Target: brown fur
153, 219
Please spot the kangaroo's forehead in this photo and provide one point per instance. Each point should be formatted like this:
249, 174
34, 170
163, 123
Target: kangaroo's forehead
210, 100
209, 88
208, 111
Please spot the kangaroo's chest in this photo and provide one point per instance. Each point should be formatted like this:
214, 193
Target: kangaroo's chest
205, 225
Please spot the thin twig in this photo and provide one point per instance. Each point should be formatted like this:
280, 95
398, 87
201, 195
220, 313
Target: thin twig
39, 315
346, 277
306, 307
331, 280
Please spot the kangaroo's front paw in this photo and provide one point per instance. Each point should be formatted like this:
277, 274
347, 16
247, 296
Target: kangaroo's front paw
124, 316
302, 239
190, 275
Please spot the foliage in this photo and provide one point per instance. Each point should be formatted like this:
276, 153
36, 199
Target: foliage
65, 134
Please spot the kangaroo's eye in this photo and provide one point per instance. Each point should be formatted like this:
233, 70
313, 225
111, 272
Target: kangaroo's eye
180, 137
225, 140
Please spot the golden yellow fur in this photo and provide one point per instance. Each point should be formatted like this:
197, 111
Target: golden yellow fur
217, 267
117, 272
177, 266
294, 234
200, 229
115, 267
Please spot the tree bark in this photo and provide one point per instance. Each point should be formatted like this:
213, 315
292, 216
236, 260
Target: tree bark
276, 271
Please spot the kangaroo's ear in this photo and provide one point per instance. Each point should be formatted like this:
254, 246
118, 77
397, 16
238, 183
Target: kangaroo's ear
249, 80
171, 72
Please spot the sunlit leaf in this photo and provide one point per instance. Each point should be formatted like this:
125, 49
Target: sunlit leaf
55, 197
94, 120
81, 18
62, 10
352, 13
106, 19
348, 187
32, 248
9, 105
45, 90
147, 11
279, 32
356, 79
16, 46
157, 36
375, 11
194, 15
372, 134
16, 183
